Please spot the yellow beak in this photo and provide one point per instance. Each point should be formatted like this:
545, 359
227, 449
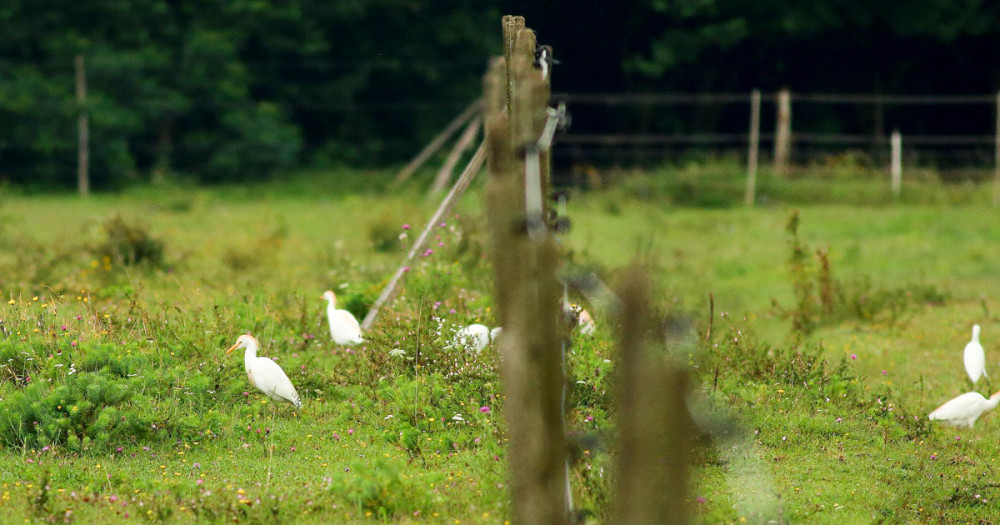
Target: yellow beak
231, 348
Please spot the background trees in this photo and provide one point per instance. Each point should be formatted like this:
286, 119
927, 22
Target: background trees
238, 89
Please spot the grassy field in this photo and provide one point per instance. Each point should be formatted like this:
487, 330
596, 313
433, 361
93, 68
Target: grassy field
117, 400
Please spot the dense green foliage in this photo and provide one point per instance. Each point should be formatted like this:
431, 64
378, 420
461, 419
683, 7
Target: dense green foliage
227, 91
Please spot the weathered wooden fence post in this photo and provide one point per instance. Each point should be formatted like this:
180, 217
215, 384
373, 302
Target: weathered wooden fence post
783, 132
527, 290
896, 166
654, 424
83, 130
753, 148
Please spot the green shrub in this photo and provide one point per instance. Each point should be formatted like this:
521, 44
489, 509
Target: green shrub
129, 244
384, 234
81, 410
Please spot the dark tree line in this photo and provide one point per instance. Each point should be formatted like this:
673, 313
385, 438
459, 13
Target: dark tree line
224, 90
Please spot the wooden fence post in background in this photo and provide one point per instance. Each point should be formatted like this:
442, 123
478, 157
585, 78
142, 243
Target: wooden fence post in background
83, 130
462, 144
753, 148
896, 166
783, 132
526, 288
654, 425
996, 154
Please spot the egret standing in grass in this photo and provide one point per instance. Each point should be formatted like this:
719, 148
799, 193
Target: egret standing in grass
344, 328
265, 374
577, 315
269, 378
975, 358
964, 410
474, 337
586, 323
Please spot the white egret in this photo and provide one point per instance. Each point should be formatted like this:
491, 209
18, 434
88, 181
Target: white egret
265, 374
586, 323
582, 317
975, 358
344, 328
965, 409
474, 337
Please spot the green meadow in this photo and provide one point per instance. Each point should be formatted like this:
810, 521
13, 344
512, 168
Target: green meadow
838, 324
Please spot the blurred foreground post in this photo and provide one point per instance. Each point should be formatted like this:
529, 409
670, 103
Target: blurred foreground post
653, 421
753, 148
896, 166
83, 130
527, 290
783, 132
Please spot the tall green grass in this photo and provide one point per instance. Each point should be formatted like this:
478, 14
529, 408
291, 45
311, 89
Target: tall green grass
116, 397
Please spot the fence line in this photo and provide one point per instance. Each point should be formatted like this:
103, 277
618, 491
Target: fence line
784, 139
627, 99
741, 138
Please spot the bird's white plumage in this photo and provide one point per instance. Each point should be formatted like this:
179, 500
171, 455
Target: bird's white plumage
974, 357
581, 316
586, 323
474, 337
964, 410
265, 374
344, 328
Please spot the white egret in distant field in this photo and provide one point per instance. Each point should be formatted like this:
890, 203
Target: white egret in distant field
265, 374
581, 316
474, 337
586, 323
344, 328
975, 358
964, 410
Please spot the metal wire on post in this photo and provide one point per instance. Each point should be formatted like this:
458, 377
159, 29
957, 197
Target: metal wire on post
533, 187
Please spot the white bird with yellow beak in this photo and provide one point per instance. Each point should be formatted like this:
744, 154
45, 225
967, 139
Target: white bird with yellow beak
344, 328
265, 374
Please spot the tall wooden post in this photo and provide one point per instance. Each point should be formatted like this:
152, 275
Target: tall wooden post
896, 166
654, 426
527, 291
83, 130
996, 154
783, 132
753, 148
